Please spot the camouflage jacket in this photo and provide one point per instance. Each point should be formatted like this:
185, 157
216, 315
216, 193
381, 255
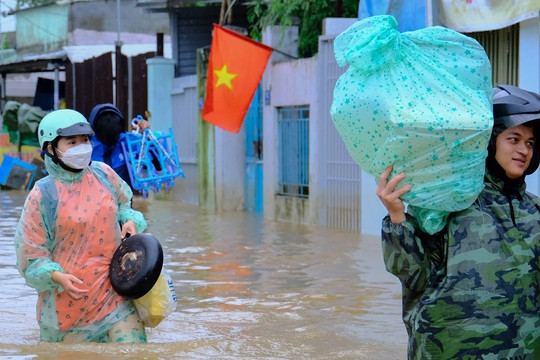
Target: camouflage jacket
471, 291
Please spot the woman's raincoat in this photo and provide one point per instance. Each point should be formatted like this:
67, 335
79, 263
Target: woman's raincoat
472, 291
72, 223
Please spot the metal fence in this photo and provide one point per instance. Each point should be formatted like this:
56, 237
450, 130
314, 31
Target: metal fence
340, 175
91, 82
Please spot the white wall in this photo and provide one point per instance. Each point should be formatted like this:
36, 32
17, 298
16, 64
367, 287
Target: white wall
529, 54
7, 23
229, 151
184, 123
529, 73
290, 84
373, 210
230, 169
295, 83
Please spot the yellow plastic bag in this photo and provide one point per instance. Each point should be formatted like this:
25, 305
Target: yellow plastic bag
158, 303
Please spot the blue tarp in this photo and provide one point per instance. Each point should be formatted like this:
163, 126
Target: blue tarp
410, 14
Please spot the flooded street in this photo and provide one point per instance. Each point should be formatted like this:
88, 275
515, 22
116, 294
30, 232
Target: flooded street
248, 288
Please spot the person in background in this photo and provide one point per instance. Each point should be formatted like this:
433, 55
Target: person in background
110, 129
472, 291
71, 224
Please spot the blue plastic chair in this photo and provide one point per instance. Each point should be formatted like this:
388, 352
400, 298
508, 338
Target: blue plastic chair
152, 160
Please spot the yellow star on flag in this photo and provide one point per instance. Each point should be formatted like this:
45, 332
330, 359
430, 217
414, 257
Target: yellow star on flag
226, 106
224, 77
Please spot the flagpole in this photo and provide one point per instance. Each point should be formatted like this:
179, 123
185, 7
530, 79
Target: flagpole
283, 53
229, 8
224, 12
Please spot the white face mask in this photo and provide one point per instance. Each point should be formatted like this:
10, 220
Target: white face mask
77, 157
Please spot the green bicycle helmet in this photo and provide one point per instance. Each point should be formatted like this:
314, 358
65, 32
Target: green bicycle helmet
65, 122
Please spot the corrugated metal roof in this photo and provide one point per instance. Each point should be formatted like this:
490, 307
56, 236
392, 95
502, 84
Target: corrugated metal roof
173, 3
32, 63
11, 63
78, 54
163, 5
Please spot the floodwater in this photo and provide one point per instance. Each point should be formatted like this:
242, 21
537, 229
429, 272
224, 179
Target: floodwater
248, 288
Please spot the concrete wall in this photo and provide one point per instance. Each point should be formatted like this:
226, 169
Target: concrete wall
230, 169
529, 73
48, 28
97, 22
290, 83
229, 150
42, 29
184, 123
103, 16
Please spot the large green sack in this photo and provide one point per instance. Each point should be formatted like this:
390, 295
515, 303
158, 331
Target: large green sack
10, 120
22, 121
29, 118
419, 100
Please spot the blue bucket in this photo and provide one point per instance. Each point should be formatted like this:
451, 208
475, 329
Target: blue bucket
17, 174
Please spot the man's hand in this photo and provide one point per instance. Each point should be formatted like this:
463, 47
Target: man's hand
390, 198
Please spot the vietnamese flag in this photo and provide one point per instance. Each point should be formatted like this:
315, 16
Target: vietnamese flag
235, 69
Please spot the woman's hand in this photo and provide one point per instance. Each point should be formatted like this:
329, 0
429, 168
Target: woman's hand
68, 281
390, 198
128, 228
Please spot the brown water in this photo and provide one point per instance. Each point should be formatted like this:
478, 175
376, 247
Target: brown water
248, 288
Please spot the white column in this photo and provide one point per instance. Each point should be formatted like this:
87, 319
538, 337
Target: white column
529, 73
160, 78
529, 54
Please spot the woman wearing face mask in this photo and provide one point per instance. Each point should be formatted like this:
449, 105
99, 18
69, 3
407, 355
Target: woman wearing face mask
72, 222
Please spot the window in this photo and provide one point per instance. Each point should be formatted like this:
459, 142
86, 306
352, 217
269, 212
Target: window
502, 48
293, 151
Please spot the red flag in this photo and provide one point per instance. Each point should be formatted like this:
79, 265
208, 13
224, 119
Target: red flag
235, 69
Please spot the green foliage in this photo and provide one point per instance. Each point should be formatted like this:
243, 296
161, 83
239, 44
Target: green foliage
310, 13
5, 42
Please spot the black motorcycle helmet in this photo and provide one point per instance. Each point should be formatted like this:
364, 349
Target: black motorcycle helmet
108, 123
514, 106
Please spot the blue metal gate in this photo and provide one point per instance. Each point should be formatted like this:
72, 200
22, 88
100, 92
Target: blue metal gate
254, 158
